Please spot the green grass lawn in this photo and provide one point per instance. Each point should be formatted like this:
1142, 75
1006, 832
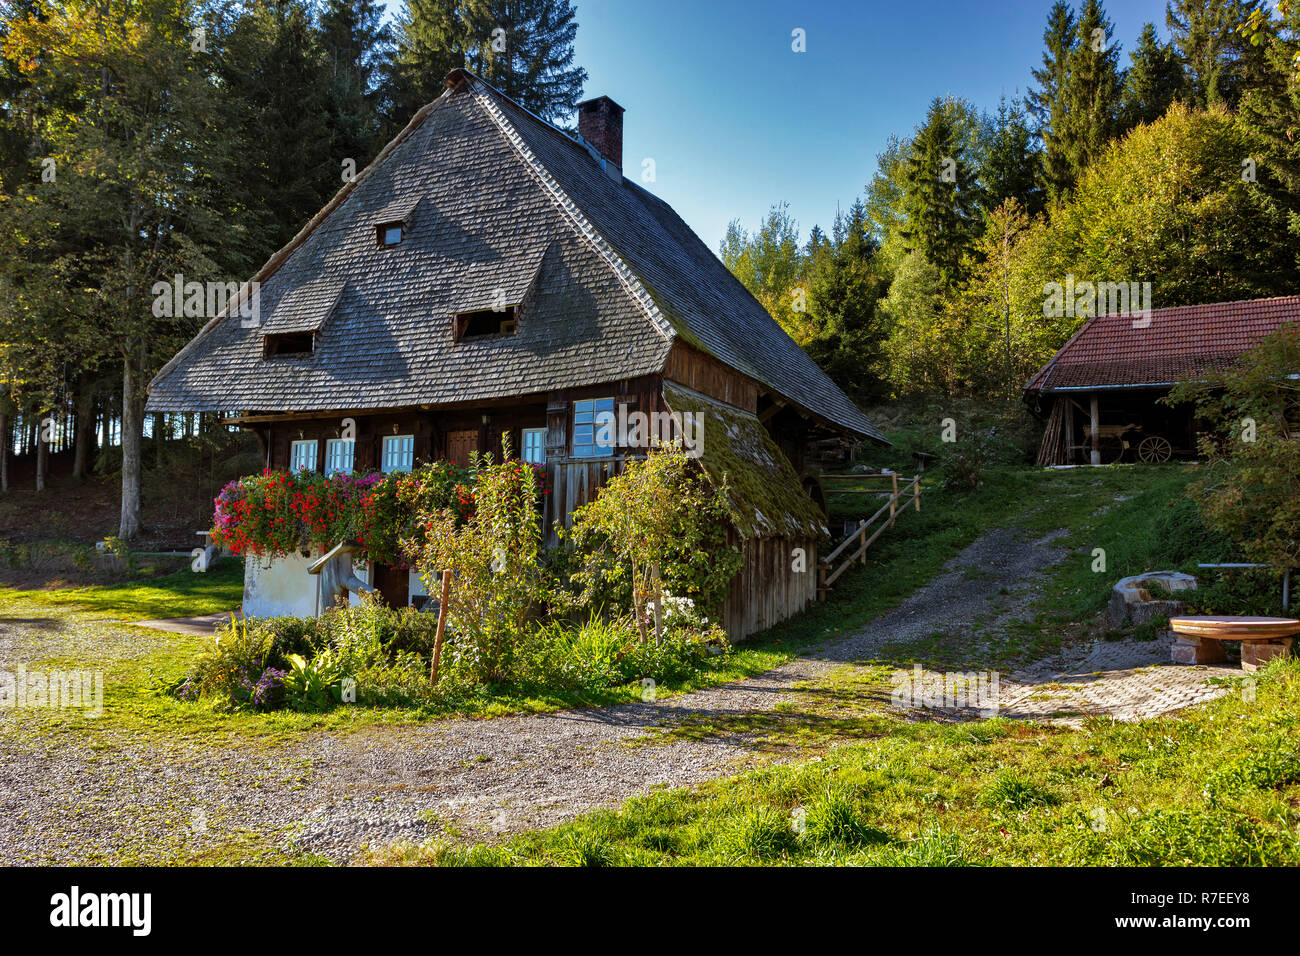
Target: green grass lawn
182, 594
1217, 786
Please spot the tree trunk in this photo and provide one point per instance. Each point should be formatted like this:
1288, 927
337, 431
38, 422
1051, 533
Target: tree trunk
4, 452
83, 433
132, 436
42, 456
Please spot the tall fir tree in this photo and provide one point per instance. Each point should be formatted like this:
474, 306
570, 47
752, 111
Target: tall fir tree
525, 49
941, 193
431, 38
1152, 82
1011, 163
278, 106
522, 47
1047, 102
1218, 59
1270, 109
1092, 92
847, 328
355, 43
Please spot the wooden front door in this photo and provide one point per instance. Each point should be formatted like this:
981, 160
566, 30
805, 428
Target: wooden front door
460, 444
393, 584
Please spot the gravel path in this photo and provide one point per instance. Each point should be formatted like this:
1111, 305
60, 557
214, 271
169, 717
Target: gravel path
334, 794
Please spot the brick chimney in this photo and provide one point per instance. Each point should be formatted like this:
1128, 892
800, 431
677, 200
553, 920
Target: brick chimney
600, 123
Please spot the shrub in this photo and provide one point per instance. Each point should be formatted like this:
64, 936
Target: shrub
301, 662
659, 527
1251, 492
498, 585
237, 674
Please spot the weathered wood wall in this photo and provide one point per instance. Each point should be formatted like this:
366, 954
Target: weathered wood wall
767, 589
430, 429
690, 367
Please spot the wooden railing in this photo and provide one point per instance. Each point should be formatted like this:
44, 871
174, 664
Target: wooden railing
863, 535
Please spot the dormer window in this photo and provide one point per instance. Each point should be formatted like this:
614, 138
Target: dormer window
390, 233
485, 323
288, 343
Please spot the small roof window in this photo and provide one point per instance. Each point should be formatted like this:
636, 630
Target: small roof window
485, 323
390, 233
288, 343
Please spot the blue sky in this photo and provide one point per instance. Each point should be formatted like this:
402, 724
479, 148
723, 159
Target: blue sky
735, 120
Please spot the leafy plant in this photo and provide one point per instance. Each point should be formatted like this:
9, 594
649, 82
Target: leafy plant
315, 684
659, 525
498, 585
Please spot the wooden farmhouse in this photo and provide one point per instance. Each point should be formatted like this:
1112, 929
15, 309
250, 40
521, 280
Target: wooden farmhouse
490, 274
1100, 394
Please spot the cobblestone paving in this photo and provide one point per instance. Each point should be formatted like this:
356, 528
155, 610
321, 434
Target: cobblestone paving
1126, 680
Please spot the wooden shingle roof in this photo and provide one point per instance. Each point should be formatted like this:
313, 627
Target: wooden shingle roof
1178, 344
501, 205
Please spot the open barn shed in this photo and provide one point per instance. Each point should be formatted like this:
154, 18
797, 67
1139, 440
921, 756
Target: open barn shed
1100, 395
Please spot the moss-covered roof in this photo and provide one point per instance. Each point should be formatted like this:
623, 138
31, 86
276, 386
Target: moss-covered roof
765, 493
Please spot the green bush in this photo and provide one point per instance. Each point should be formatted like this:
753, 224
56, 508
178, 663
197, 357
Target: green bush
301, 663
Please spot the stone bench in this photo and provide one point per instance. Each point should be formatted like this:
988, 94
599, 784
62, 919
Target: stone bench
1199, 639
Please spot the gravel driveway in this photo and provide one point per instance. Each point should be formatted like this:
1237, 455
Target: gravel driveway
335, 793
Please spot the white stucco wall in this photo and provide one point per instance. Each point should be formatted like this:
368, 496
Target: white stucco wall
278, 587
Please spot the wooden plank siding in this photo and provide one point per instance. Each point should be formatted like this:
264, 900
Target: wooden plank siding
767, 590
704, 374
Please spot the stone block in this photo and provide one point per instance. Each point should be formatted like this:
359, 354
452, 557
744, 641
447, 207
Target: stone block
1255, 654
1193, 650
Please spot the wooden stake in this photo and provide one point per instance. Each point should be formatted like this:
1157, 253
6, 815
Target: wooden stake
442, 624
658, 604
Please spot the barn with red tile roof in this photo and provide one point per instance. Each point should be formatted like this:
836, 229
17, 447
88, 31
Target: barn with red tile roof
1100, 393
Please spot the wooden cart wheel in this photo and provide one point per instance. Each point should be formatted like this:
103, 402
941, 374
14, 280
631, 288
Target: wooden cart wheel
1155, 449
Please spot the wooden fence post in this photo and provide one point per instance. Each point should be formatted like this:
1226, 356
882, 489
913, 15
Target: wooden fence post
821, 581
893, 501
916, 492
442, 624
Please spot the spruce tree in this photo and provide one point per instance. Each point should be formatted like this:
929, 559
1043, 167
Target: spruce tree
1047, 101
1011, 165
1091, 94
525, 49
1153, 81
278, 102
1217, 57
941, 195
355, 45
432, 38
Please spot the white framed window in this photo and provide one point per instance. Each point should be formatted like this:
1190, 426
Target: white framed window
590, 439
399, 453
338, 456
302, 456
534, 443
